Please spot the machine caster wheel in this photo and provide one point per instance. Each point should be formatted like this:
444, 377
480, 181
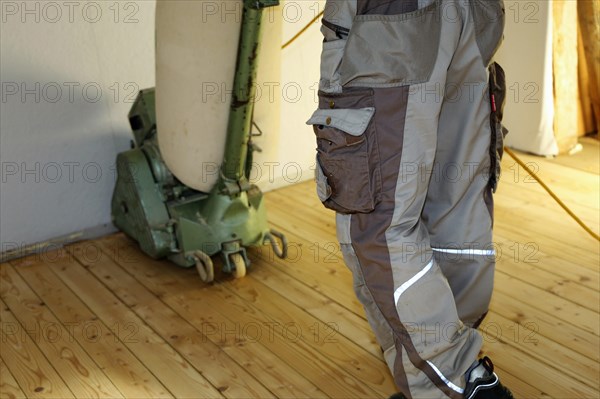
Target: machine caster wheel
239, 265
205, 267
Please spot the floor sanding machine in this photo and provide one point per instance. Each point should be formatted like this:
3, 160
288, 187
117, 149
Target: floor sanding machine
183, 191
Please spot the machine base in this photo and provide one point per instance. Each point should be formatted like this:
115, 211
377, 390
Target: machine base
169, 219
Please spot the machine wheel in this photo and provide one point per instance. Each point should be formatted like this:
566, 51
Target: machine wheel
239, 264
205, 267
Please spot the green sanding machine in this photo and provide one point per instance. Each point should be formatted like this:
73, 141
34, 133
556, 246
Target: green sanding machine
170, 219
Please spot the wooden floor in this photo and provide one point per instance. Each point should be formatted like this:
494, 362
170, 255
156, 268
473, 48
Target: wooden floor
100, 319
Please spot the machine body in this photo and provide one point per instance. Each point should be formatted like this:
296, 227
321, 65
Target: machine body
170, 219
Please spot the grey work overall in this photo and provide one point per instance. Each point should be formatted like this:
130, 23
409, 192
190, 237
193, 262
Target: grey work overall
409, 143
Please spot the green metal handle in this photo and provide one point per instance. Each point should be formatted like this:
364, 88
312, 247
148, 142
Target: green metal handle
244, 90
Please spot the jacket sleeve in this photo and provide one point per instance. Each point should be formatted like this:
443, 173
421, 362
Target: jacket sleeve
336, 24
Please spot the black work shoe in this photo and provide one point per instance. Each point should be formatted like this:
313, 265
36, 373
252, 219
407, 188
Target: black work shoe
483, 383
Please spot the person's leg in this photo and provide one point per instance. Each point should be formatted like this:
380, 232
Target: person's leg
403, 61
406, 296
458, 212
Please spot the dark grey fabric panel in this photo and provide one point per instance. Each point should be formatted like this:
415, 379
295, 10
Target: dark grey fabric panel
368, 231
386, 7
489, 19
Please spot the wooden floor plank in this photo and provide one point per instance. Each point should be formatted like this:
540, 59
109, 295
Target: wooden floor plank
330, 278
576, 366
575, 186
562, 287
523, 206
279, 378
321, 307
292, 217
9, 388
304, 215
310, 268
30, 368
321, 336
330, 275
174, 372
519, 252
586, 160
319, 224
579, 245
550, 243
565, 334
535, 202
75, 366
231, 379
513, 270
519, 388
239, 338
551, 381
124, 370
591, 342
549, 303
538, 277
543, 347
228, 315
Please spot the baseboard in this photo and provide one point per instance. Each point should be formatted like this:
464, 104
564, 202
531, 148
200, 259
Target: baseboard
13, 250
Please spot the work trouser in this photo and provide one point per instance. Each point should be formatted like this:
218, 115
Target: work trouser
408, 156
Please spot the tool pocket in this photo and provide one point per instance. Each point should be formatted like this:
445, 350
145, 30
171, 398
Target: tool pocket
392, 50
497, 89
489, 20
348, 174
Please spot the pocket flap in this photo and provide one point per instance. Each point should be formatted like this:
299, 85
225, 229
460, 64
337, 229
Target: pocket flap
351, 121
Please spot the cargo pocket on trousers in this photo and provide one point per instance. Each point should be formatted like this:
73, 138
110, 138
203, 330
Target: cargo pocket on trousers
497, 91
348, 177
489, 20
392, 50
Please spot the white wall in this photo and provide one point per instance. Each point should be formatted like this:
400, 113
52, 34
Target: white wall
526, 56
296, 92
70, 72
